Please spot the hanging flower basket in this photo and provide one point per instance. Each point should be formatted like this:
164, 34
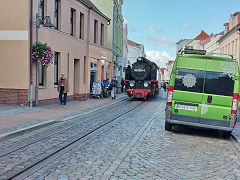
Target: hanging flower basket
43, 54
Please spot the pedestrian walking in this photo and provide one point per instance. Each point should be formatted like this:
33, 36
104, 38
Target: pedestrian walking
164, 86
63, 89
114, 84
122, 85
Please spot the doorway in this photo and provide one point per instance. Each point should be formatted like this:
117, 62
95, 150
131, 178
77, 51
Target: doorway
76, 86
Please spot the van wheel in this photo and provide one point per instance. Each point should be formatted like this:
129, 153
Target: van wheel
227, 134
168, 126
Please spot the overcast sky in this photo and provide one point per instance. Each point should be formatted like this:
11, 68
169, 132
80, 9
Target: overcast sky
159, 24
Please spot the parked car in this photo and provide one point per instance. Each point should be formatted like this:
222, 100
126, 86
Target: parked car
203, 92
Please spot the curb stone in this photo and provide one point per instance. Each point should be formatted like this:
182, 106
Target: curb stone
51, 122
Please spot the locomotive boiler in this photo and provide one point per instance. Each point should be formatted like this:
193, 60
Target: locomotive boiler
141, 79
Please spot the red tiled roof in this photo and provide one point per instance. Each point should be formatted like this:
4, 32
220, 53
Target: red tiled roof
162, 70
179, 41
202, 36
132, 43
205, 41
170, 62
236, 13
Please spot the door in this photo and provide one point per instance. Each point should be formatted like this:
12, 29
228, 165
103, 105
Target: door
187, 94
76, 86
217, 99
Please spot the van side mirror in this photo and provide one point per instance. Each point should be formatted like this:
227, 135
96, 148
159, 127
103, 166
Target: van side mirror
175, 71
235, 78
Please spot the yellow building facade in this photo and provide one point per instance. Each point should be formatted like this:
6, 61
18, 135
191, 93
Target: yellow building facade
229, 42
78, 38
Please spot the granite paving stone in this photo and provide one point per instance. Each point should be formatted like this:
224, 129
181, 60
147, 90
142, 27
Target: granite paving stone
136, 146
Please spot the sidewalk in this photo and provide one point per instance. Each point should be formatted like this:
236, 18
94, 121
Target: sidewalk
15, 120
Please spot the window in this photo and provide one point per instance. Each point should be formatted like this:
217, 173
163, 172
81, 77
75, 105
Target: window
41, 75
41, 9
56, 61
56, 14
72, 22
81, 35
102, 34
94, 70
215, 82
218, 83
196, 80
84, 70
95, 30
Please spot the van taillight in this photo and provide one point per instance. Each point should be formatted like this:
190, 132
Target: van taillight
170, 96
234, 103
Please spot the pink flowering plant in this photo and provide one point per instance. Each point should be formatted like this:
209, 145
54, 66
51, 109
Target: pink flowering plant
43, 54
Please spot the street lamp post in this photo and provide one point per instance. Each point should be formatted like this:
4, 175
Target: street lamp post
47, 24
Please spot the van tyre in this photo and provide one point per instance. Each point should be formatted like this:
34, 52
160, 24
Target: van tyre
168, 126
227, 134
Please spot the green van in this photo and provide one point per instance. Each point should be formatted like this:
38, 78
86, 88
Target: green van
203, 92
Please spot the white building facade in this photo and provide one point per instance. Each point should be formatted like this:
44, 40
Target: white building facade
213, 46
135, 50
168, 70
125, 48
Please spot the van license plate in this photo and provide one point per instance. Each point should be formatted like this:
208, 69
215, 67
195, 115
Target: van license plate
185, 107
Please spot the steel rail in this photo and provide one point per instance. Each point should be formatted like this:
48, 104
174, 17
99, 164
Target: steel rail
75, 140
11, 149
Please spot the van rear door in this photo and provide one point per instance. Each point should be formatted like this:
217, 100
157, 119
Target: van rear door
188, 88
218, 93
187, 94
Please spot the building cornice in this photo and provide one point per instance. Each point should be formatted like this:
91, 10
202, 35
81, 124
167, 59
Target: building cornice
90, 5
233, 30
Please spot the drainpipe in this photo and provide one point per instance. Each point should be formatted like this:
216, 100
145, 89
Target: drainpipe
30, 56
88, 71
238, 31
113, 48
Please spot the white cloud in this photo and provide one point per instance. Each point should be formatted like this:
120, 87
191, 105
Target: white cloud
154, 29
160, 58
132, 29
186, 26
162, 41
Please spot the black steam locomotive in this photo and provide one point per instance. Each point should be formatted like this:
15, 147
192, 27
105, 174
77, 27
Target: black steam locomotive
141, 79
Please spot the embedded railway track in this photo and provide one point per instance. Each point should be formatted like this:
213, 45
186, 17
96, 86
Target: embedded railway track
66, 142
46, 134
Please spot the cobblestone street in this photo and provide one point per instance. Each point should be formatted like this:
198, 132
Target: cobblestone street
119, 90
136, 146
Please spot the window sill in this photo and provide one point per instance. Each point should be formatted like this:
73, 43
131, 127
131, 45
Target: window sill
42, 87
55, 86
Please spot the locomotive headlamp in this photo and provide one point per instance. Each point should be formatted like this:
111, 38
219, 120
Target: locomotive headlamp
146, 83
131, 83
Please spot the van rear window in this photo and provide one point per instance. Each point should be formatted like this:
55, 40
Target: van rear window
218, 83
189, 80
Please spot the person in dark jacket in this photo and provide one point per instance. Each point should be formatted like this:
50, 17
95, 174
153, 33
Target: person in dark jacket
164, 86
114, 84
122, 84
63, 89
